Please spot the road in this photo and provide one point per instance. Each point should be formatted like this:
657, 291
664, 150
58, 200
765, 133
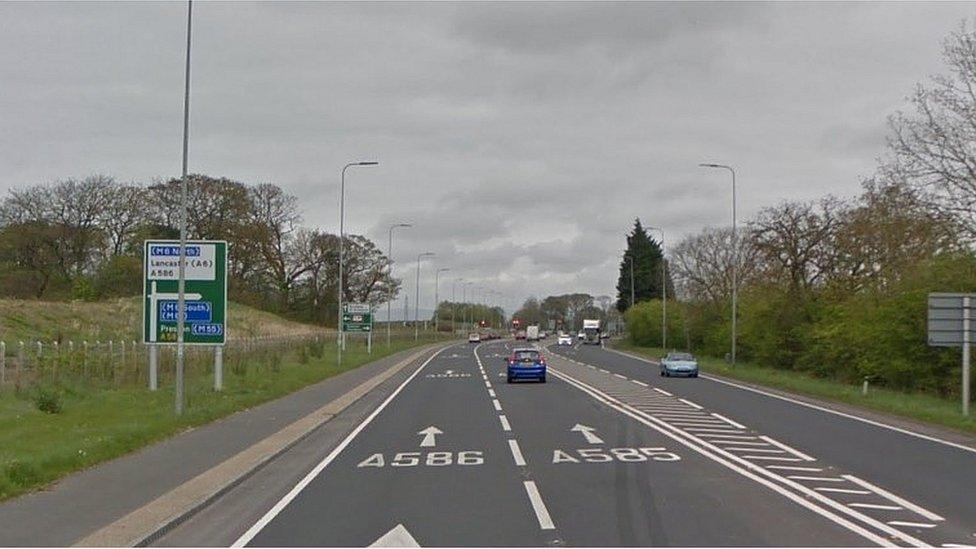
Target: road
605, 453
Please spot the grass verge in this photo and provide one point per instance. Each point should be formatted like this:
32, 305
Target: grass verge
916, 406
95, 425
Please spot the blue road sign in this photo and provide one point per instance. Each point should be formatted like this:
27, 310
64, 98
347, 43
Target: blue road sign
196, 311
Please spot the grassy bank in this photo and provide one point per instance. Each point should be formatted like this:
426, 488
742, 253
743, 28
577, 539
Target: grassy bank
97, 424
916, 406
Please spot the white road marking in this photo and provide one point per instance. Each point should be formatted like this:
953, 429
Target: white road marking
488, 384
816, 407
760, 450
701, 430
307, 479
740, 443
429, 436
604, 371
733, 437
663, 392
491, 393
910, 524
690, 403
504, 422
876, 506
900, 501
641, 383
789, 449
541, 513
795, 468
772, 458
399, 536
816, 479
843, 491
621, 376
696, 445
496, 404
516, 452
729, 421
587, 433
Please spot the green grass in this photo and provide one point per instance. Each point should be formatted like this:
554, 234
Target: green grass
916, 406
95, 425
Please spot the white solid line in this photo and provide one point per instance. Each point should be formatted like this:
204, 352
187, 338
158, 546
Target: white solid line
734, 437
663, 392
307, 479
789, 449
760, 450
959, 545
505, 424
697, 446
496, 404
729, 421
641, 383
819, 408
738, 443
816, 479
690, 403
685, 416
772, 458
899, 500
516, 452
843, 491
876, 506
700, 430
910, 524
795, 468
491, 393
541, 513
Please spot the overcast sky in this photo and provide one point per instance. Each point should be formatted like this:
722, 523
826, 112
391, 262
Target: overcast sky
521, 139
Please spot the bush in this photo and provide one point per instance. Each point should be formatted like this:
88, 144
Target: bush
644, 324
48, 400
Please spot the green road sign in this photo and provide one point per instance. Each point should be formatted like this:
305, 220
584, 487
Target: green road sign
357, 317
205, 292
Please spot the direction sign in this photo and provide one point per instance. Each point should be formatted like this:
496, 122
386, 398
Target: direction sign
357, 317
205, 293
946, 317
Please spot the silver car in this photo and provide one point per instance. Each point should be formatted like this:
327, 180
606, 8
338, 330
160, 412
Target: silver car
679, 364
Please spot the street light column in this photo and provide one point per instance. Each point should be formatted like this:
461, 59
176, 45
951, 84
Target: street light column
664, 293
735, 256
389, 302
437, 296
341, 341
416, 304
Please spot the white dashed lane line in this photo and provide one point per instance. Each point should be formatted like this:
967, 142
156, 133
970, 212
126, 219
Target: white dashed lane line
504, 422
516, 452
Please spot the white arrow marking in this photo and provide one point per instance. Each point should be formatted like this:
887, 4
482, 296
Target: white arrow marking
587, 433
397, 537
429, 434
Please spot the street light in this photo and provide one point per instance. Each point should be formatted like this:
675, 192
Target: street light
181, 282
437, 295
389, 302
735, 254
664, 293
416, 305
342, 234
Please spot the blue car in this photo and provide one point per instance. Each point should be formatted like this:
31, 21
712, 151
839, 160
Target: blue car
679, 364
526, 364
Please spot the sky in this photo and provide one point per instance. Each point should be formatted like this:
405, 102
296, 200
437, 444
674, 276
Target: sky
520, 139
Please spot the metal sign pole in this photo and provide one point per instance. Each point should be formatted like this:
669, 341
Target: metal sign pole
966, 323
218, 368
153, 367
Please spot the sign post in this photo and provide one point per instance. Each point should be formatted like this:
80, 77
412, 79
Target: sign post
358, 318
204, 317
950, 317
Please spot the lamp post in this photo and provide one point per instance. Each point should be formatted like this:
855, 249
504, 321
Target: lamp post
416, 304
181, 282
735, 255
664, 293
437, 302
389, 302
342, 235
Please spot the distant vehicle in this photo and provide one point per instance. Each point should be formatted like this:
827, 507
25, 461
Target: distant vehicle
532, 333
581, 336
526, 363
520, 334
543, 334
474, 337
679, 364
564, 339
591, 332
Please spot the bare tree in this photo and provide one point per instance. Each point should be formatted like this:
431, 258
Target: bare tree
702, 264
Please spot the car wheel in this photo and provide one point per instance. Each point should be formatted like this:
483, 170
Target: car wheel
694, 374
542, 379
667, 373
509, 379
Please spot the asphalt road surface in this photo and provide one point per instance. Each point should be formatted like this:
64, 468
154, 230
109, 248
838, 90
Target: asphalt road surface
606, 453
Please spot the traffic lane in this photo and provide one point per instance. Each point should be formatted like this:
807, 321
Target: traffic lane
460, 488
936, 476
613, 481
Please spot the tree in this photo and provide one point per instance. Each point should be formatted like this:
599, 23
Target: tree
934, 148
647, 258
